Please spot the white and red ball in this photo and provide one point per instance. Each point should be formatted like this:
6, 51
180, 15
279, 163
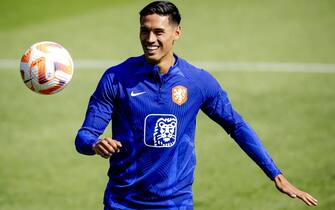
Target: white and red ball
46, 67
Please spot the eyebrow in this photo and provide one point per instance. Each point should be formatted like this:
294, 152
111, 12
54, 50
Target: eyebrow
155, 29
159, 29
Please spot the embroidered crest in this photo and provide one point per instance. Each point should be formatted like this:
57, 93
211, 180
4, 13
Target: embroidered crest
164, 133
179, 94
160, 130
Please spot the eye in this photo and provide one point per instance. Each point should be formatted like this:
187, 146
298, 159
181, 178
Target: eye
159, 32
144, 30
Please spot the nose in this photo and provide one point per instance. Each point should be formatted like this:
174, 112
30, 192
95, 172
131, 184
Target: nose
151, 37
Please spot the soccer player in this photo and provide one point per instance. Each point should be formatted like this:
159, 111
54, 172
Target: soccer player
152, 101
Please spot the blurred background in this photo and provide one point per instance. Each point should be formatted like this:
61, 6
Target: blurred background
276, 59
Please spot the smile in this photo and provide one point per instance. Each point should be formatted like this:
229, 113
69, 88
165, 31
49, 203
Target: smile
151, 49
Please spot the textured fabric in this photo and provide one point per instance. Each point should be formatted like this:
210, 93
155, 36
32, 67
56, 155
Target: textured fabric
154, 117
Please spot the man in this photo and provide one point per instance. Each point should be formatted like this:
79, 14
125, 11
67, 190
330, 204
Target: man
153, 101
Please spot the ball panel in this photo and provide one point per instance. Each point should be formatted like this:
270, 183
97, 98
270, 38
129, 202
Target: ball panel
53, 89
26, 56
60, 67
25, 75
24, 66
39, 67
48, 47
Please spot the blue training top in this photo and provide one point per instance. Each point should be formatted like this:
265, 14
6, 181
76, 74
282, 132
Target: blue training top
154, 117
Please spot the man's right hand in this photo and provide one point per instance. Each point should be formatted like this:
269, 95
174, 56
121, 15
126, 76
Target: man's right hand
106, 147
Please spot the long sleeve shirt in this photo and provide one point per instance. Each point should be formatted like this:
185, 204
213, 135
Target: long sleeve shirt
154, 117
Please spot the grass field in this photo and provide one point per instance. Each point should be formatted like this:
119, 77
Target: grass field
293, 113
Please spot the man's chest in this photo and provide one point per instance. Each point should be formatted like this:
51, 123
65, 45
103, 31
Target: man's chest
173, 95
159, 110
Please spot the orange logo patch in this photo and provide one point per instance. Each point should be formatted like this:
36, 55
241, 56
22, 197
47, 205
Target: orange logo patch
179, 94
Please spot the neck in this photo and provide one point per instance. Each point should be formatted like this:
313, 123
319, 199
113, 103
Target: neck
166, 63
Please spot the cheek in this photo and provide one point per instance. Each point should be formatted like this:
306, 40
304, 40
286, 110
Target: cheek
166, 41
142, 38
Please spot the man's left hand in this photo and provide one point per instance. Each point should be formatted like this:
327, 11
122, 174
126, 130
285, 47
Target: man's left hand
285, 187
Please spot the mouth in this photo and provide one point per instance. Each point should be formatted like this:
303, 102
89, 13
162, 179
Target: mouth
151, 49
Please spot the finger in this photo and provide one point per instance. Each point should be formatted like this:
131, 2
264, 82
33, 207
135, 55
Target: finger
107, 146
114, 143
314, 203
102, 151
312, 200
103, 155
118, 143
99, 149
306, 201
116, 146
109, 139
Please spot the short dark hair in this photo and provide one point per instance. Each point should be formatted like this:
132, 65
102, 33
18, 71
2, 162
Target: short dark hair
162, 8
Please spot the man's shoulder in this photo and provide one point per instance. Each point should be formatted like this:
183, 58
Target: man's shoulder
129, 64
194, 72
121, 71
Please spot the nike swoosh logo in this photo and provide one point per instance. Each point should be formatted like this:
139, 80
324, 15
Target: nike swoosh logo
136, 94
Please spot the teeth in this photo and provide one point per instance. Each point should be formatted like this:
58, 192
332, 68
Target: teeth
152, 47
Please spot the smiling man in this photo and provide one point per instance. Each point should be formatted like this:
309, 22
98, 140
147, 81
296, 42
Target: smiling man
153, 101
158, 34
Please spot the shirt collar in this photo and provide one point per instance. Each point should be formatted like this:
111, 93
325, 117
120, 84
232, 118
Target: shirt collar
150, 68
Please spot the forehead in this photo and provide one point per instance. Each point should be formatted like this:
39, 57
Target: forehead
155, 21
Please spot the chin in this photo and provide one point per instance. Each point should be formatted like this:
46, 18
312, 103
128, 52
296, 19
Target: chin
152, 59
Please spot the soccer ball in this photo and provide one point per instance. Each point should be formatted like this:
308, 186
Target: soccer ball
46, 67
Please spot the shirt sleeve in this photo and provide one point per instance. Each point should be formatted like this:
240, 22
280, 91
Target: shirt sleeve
218, 107
98, 115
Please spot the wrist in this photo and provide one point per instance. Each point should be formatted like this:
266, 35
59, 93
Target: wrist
279, 178
94, 145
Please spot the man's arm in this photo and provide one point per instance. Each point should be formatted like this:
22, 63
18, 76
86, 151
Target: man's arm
218, 107
98, 116
251, 144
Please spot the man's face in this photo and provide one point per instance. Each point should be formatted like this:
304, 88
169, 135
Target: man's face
157, 35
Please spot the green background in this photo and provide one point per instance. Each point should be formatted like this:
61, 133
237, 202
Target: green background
293, 113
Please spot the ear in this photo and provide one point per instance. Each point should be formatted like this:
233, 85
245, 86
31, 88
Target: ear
177, 32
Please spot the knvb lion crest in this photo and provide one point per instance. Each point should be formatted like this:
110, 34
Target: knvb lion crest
160, 130
165, 132
179, 94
